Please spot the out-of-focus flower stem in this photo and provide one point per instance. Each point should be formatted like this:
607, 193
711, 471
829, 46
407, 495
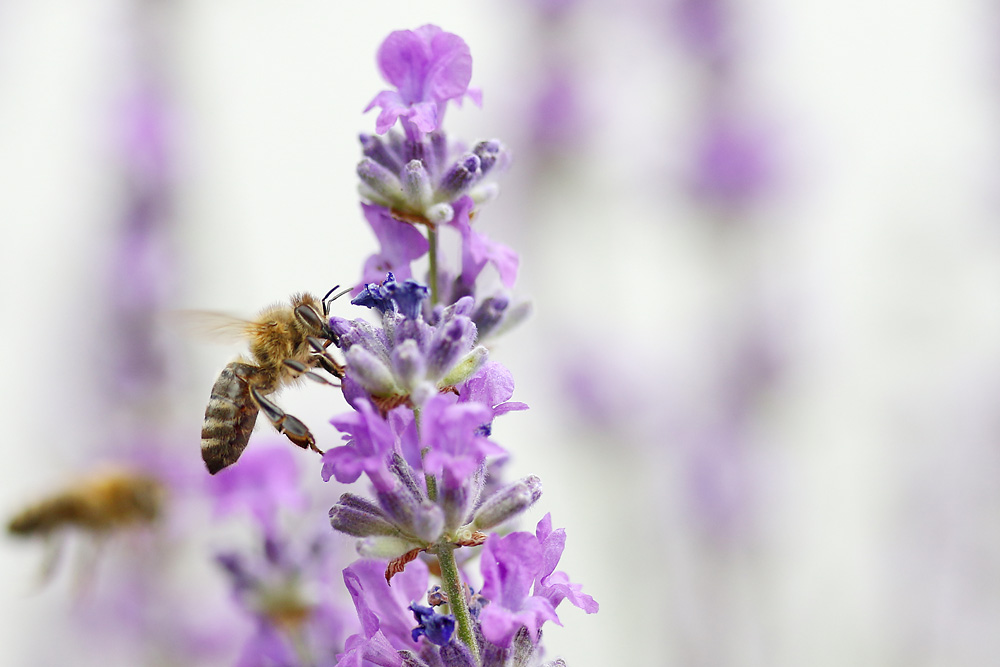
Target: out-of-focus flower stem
301, 647
432, 239
452, 585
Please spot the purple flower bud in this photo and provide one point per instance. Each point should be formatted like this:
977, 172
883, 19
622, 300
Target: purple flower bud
383, 185
411, 660
428, 524
462, 306
489, 313
414, 515
459, 177
488, 152
362, 334
399, 467
417, 183
451, 342
359, 517
508, 502
408, 364
455, 501
438, 152
457, 654
375, 148
370, 372
414, 149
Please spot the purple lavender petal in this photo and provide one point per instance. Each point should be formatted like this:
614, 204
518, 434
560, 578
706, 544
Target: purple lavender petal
386, 607
371, 645
448, 432
400, 243
371, 440
492, 385
428, 67
392, 106
509, 566
478, 250
556, 586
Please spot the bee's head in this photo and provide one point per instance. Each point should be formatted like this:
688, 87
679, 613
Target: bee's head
312, 316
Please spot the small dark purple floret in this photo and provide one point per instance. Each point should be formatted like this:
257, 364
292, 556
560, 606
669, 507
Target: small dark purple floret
438, 628
408, 296
376, 296
389, 296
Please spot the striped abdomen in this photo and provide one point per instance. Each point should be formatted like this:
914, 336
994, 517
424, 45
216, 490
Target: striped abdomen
229, 417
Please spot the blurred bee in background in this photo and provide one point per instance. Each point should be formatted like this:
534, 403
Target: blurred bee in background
286, 341
102, 503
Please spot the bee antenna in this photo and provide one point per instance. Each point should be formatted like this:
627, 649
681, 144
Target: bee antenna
327, 299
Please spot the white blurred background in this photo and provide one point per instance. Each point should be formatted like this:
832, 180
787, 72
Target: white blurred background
766, 413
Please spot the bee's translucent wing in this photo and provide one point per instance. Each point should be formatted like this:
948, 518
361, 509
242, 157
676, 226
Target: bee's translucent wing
213, 326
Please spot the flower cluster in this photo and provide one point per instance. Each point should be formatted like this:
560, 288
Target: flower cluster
425, 393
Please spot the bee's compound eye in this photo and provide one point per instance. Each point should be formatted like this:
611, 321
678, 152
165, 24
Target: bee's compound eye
310, 317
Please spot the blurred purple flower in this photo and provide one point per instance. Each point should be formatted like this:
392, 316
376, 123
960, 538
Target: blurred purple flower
265, 480
428, 67
557, 119
281, 588
704, 26
732, 162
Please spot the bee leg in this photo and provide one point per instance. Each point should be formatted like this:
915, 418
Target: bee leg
324, 358
292, 427
302, 369
85, 568
55, 549
330, 365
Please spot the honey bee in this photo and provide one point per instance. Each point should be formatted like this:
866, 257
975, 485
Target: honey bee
99, 504
286, 341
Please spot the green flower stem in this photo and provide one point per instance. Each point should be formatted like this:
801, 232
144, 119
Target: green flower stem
432, 487
432, 240
456, 596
